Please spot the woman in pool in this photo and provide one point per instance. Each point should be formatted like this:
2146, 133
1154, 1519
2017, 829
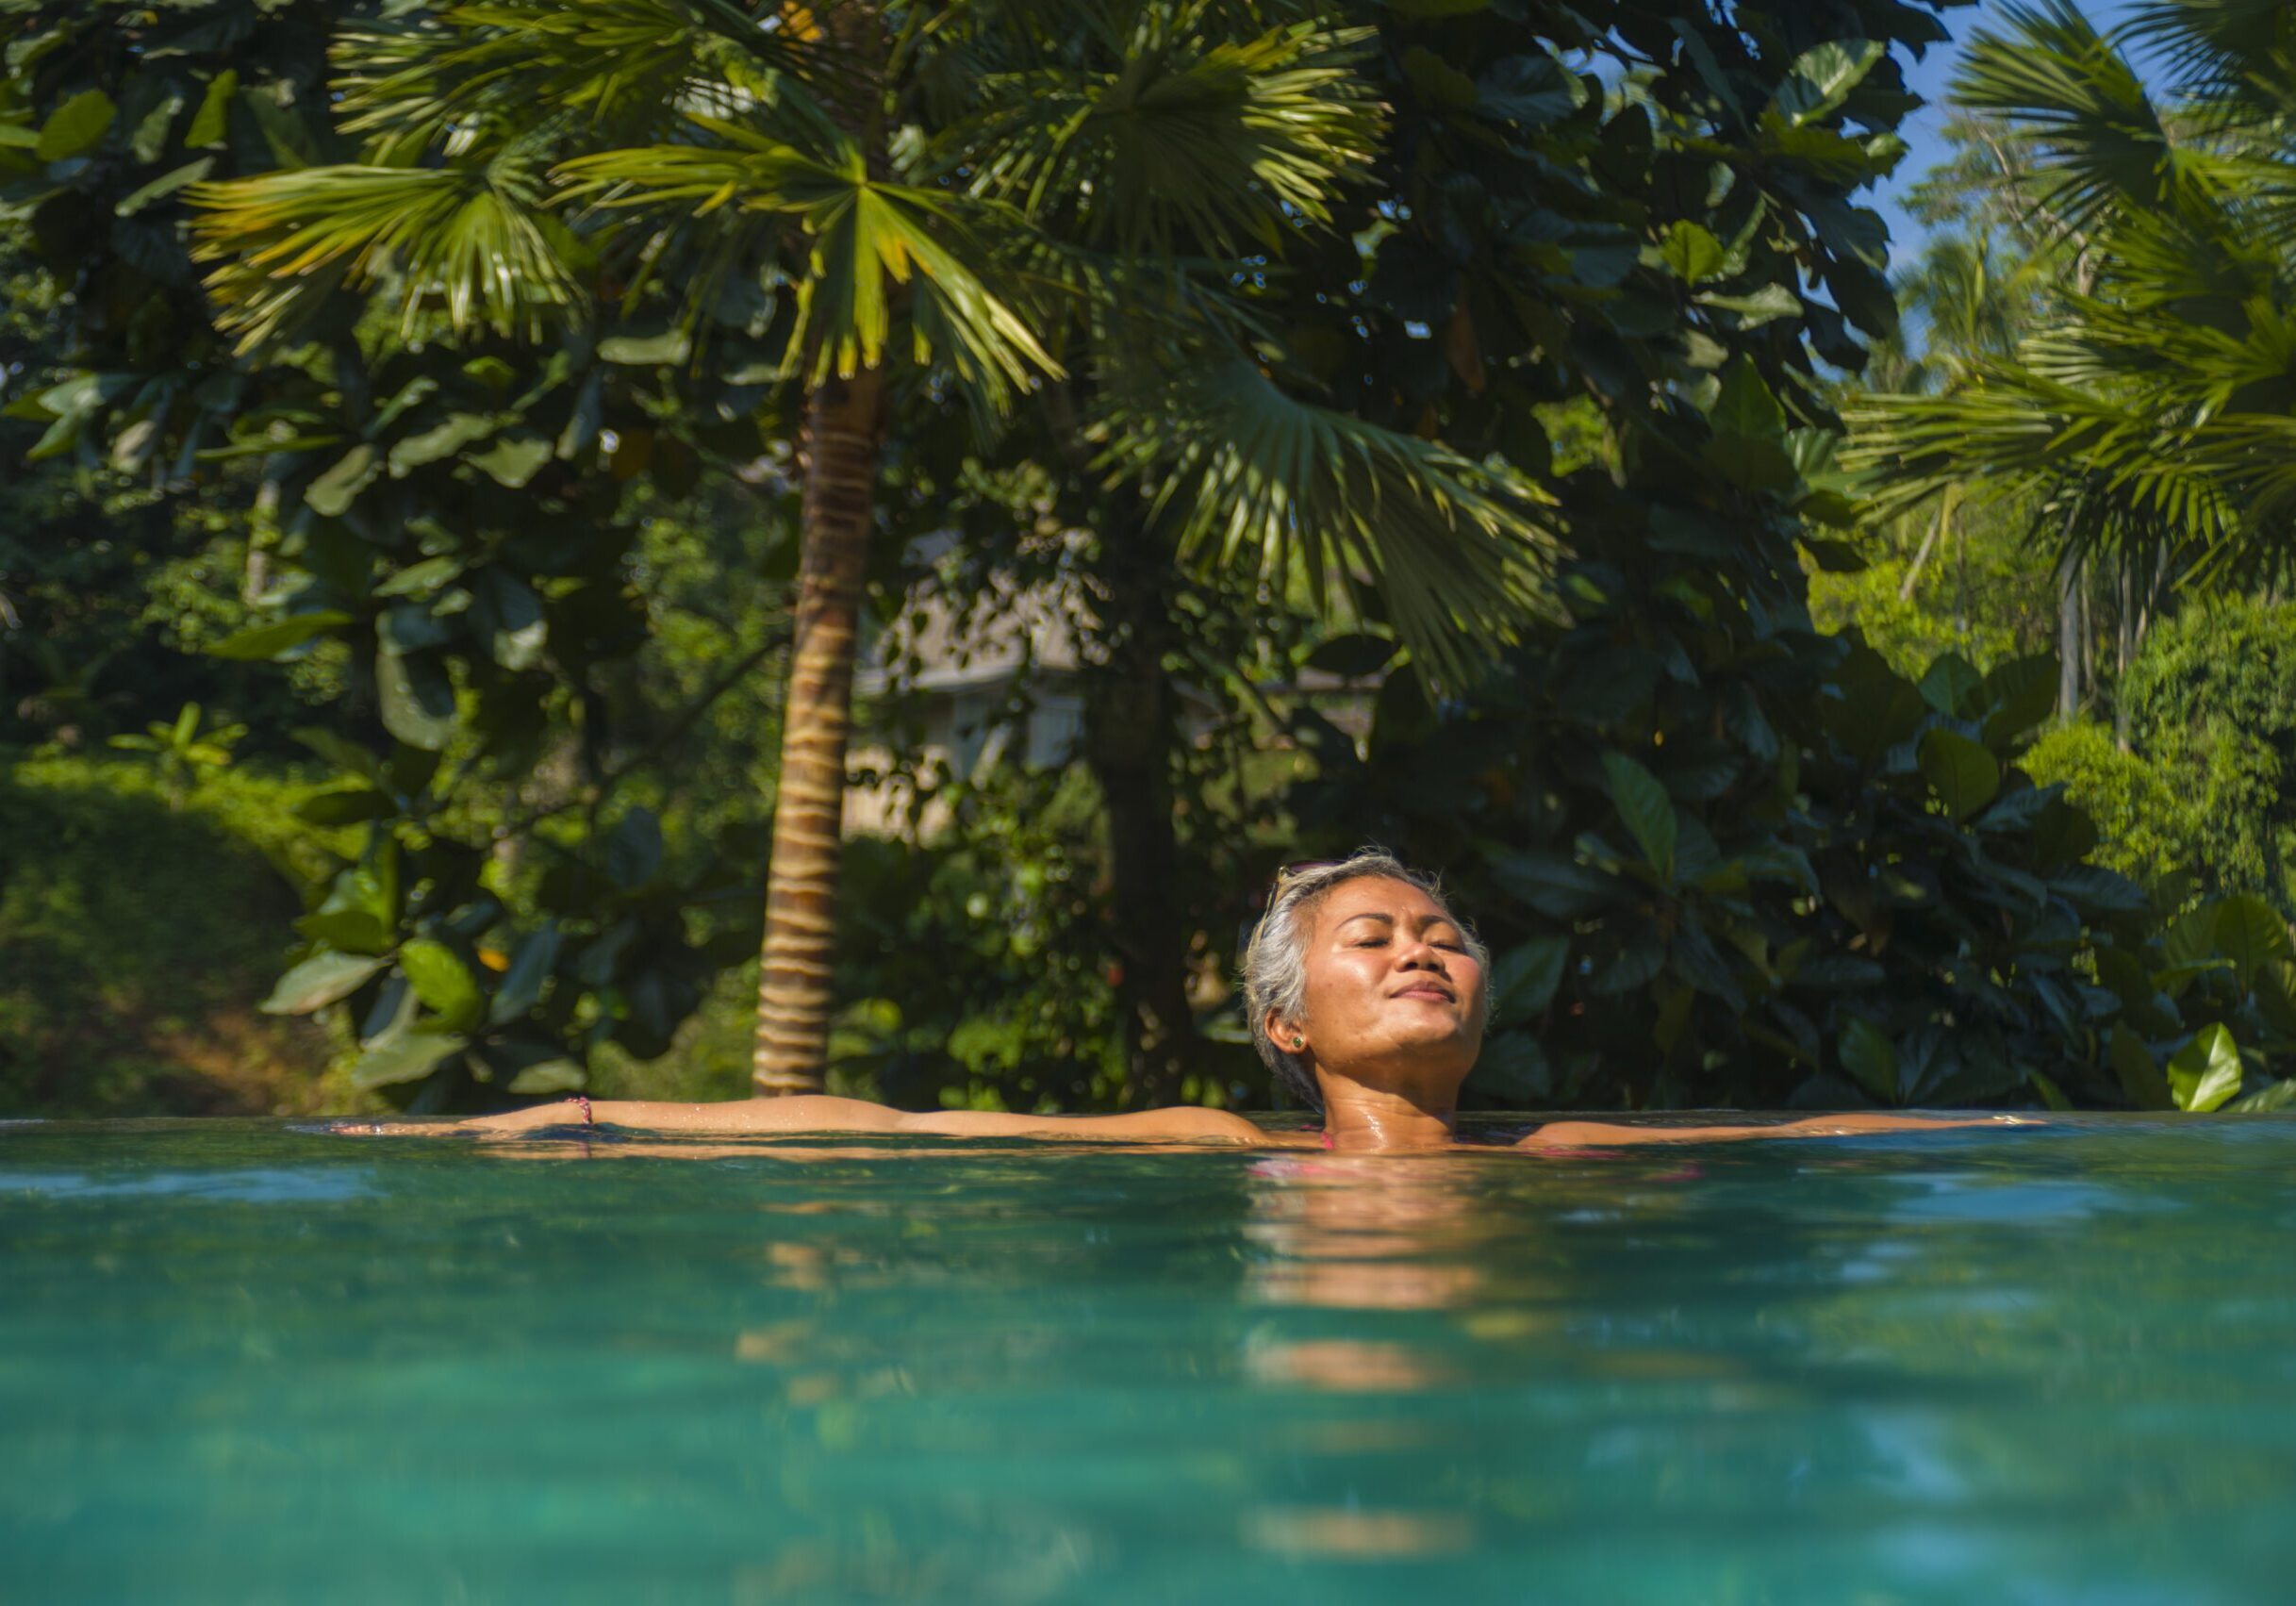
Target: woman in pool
1366, 995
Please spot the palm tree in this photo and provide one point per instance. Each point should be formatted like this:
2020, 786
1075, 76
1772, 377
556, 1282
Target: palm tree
946, 197
2149, 412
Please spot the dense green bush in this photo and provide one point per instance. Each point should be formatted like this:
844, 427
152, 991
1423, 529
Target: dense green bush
2212, 704
2145, 825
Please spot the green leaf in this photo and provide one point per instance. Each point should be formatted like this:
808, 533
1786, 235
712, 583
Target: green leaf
646, 351
550, 1076
442, 981
319, 980
2050, 1093
1766, 305
2251, 933
2279, 1095
354, 930
2140, 1078
418, 579
1743, 405
2206, 1071
208, 123
1822, 78
1691, 252
1960, 772
531, 963
1513, 1066
263, 644
1648, 812
514, 459
333, 492
440, 440
1951, 684
75, 126
395, 1056
2018, 695
1524, 979
167, 184
1871, 1059
511, 615
416, 698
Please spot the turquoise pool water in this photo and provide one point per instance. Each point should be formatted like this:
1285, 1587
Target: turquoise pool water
241, 1361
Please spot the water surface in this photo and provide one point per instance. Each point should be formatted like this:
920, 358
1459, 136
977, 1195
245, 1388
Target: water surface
244, 1362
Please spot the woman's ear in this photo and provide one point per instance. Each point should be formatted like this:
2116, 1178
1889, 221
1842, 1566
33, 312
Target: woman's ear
1284, 1034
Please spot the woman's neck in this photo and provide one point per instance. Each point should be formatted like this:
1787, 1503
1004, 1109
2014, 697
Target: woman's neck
1368, 1119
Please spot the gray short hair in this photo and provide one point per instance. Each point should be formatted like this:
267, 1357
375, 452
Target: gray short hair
1276, 960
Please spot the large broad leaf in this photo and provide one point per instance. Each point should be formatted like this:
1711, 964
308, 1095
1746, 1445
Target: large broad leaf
75, 126
2205, 1072
1951, 684
2251, 933
1524, 979
1648, 812
1822, 78
1692, 254
2018, 695
400, 1055
319, 980
1744, 407
1960, 772
1555, 885
442, 981
208, 123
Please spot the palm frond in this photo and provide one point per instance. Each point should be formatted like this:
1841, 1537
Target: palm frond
1180, 140
1248, 473
2236, 57
870, 242
2073, 99
472, 237
625, 70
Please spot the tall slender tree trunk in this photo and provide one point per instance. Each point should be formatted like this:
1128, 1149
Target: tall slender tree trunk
1129, 725
2068, 638
844, 433
1939, 533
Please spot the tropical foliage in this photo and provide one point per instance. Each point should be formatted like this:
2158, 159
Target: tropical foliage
1427, 421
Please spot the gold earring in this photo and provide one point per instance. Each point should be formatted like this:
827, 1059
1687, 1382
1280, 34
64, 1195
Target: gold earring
1299, 1042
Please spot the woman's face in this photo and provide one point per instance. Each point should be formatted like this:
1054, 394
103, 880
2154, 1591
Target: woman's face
1392, 989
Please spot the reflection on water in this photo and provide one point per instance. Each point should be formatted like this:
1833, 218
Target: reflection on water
1900, 1370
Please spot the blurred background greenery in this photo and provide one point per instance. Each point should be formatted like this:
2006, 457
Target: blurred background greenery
1824, 685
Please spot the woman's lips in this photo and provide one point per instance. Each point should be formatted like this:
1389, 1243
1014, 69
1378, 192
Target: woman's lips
1427, 990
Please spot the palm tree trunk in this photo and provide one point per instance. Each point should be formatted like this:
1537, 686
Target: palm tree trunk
844, 432
1937, 535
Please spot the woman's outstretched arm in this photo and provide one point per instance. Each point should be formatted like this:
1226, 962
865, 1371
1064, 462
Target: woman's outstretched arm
1607, 1134
823, 1113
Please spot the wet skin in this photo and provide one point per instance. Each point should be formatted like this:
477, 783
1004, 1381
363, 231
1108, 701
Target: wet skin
1394, 1018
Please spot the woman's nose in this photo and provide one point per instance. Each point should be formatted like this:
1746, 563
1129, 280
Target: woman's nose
1420, 956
